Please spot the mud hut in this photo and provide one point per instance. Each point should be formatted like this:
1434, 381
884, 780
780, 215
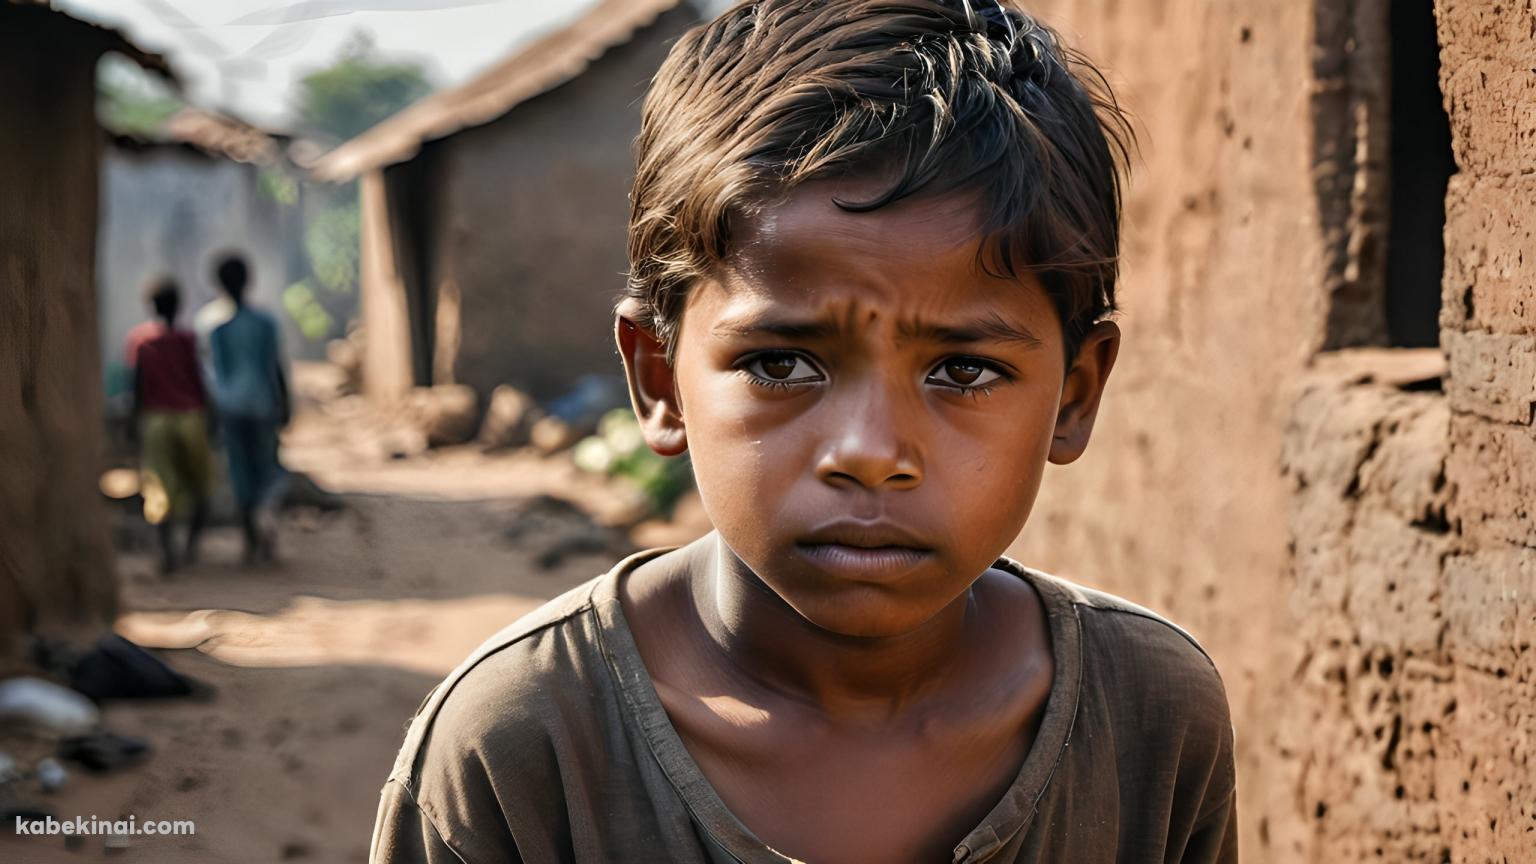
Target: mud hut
56, 566
494, 213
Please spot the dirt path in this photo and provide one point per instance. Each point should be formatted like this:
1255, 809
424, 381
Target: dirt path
318, 663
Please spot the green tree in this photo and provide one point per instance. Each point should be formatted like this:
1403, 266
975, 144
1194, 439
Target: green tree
334, 242
338, 103
358, 91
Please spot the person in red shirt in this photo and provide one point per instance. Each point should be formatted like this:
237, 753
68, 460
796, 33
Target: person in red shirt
170, 411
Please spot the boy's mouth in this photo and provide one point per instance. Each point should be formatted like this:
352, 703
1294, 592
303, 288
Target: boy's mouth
867, 549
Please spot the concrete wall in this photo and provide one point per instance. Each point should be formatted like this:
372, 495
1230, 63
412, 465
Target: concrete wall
532, 225
56, 567
1356, 548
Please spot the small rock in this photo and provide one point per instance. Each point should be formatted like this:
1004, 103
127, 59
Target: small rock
403, 443
552, 435
42, 703
509, 418
189, 782
447, 413
51, 774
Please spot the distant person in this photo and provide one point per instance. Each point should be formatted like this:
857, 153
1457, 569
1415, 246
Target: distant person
170, 417
251, 393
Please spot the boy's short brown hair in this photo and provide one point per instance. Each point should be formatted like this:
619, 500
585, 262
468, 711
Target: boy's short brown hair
939, 95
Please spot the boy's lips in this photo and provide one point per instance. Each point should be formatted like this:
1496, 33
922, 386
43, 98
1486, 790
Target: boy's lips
867, 549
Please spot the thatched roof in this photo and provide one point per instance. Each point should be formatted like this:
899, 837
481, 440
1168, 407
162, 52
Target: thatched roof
538, 68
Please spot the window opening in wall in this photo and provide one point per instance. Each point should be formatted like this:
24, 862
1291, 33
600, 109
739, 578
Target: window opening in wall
1422, 164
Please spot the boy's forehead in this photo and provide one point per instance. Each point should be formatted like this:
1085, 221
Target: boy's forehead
910, 264
818, 214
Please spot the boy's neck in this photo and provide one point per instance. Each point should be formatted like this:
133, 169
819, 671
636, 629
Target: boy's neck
848, 677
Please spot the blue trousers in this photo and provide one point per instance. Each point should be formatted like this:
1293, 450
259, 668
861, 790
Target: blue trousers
254, 472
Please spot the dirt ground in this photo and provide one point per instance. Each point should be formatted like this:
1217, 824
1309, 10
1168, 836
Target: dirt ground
319, 661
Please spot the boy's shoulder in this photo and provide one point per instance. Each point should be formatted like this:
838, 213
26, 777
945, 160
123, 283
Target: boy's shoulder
506, 726
505, 683
1141, 653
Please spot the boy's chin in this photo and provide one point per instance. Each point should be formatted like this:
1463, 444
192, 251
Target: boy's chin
862, 612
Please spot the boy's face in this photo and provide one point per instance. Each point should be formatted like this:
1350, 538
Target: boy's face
868, 412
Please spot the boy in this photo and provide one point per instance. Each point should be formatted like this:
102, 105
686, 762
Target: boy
169, 416
874, 252
252, 396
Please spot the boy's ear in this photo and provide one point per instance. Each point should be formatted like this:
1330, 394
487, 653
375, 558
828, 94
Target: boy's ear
652, 383
1082, 391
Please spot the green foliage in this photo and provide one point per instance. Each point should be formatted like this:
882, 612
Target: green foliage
618, 450
334, 241
341, 102
304, 308
279, 186
359, 91
129, 101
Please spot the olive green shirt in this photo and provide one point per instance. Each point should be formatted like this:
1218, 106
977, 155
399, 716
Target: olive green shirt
550, 744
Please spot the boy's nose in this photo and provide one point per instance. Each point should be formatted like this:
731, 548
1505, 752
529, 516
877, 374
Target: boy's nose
872, 445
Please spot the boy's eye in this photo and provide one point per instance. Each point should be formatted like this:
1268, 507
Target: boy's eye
783, 368
963, 373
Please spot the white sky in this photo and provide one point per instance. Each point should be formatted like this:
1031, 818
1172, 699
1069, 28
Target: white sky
249, 66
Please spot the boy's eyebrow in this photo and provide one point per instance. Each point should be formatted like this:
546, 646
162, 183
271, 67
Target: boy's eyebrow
991, 328
787, 329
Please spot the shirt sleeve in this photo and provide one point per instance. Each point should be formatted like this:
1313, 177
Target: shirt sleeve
1214, 840
403, 834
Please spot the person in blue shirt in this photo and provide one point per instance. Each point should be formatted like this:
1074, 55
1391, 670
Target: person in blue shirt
251, 396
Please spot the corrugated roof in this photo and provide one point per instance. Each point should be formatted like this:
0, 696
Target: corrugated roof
540, 67
119, 42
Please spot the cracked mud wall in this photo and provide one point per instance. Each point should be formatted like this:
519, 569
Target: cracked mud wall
1179, 504
1359, 557
1488, 327
1372, 703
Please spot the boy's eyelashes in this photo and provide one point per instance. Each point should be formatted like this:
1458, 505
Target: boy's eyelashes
784, 369
780, 368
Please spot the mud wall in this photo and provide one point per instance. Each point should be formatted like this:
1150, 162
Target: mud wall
531, 234
1371, 703
1179, 503
56, 574
1488, 327
1350, 533
1415, 569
